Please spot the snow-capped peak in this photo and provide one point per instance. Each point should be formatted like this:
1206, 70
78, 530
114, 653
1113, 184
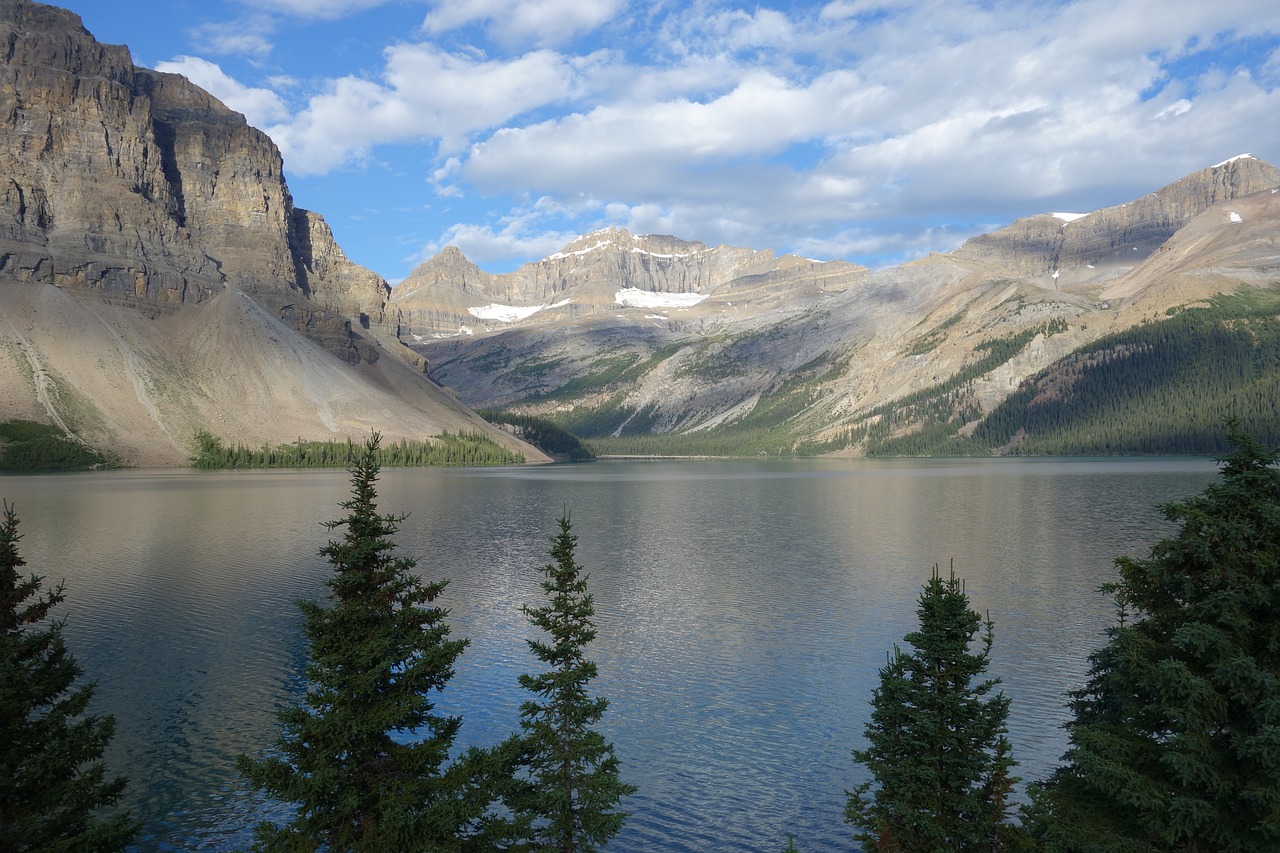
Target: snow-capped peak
1232, 160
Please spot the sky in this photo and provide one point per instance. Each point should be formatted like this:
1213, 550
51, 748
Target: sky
874, 131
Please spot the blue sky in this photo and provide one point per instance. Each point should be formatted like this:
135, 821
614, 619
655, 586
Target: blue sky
869, 130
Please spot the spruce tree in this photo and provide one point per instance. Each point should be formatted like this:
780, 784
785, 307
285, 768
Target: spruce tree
571, 802
365, 756
53, 782
937, 746
1175, 741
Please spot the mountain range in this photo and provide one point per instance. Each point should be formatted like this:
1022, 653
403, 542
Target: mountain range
623, 335
157, 280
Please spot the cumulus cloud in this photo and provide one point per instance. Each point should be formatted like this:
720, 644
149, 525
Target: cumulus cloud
425, 94
858, 126
261, 107
514, 239
960, 108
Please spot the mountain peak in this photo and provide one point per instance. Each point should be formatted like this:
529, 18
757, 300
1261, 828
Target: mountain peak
1232, 160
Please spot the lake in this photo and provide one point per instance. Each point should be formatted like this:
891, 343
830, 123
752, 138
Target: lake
744, 610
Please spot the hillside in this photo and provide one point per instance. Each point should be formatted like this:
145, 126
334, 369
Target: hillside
156, 278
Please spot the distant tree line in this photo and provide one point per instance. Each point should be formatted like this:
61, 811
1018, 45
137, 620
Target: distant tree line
447, 449
542, 433
30, 446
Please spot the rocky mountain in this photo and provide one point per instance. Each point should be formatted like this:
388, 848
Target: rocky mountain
728, 350
604, 272
156, 277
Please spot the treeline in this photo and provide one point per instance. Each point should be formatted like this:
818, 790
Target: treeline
542, 433
446, 449
30, 446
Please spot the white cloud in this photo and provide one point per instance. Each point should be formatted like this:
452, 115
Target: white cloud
796, 126
515, 239
246, 37
517, 22
425, 94
322, 9
261, 107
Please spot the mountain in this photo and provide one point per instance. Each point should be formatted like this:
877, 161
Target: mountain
677, 347
156, 278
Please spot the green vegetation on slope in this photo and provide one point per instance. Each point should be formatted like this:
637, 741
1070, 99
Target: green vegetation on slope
31, 446
543, 434
446, 449
1161, 387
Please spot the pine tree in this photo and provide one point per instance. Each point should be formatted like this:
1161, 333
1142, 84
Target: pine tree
365, 757
938, 752
570, 805
1175, 741
52, 779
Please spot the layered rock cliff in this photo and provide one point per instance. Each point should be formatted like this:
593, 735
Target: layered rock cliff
156, 278
143, 187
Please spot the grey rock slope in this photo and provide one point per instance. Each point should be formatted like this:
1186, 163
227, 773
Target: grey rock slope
132, 202
799, 353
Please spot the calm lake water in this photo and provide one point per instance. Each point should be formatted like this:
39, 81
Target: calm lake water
744, 609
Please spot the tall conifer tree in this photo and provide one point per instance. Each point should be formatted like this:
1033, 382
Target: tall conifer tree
571, 803
938, 752
365, 757
52, 779
1175, 742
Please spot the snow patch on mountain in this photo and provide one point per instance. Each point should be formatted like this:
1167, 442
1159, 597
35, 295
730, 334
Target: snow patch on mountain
631, 297
511, 313
1232, 160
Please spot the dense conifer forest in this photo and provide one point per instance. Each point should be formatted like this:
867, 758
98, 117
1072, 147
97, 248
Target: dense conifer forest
29, 446
446, 449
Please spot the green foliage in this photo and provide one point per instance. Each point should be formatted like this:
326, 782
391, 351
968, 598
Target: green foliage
365, 757
1161, 387
570, 804
542, 433
938, 752
31, 446
446, 449
1175, 741
53, 782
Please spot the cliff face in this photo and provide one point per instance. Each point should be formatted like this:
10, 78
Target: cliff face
156, 278
144, 188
